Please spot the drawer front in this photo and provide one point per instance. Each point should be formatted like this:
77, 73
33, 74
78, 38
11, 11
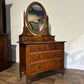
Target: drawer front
26, 39
35, 48
38, 57
56, 54
35, 57
45, 56
55, 46
38, 67
56, 64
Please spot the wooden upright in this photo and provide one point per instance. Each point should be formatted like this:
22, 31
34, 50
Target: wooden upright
1, 26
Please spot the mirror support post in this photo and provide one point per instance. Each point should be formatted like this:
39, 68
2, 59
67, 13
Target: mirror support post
24, 19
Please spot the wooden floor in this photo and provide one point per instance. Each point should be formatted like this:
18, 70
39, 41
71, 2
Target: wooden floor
11, 76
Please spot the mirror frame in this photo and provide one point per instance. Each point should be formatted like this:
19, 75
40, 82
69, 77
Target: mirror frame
29, 27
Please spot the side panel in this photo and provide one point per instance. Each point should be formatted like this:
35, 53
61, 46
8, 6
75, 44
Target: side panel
22, 58
4, 58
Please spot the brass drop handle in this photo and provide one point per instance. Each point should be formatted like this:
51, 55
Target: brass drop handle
27, 38
55, 54
38, 67
55, 47
38, 48
38, 56
55, 63
26, 31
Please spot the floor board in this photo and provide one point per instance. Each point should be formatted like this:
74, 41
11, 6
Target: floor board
11, 76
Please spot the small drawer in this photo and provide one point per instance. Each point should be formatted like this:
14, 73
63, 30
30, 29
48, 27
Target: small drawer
27, 38
38, 57
54, 64
35, 57
56, 54
35, 48
38, 67
56, 46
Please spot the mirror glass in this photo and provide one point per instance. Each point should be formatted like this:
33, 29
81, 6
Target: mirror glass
36, 18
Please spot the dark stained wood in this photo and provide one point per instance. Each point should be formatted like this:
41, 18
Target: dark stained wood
1, 21
39, 53
4, 59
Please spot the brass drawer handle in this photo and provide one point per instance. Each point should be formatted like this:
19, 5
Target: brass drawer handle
27, 38
55, 47
55, 54
38, 67
55, 63
26, 31
38, 56
38, 48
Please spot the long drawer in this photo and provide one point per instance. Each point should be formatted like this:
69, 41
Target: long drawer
45, 56
38, 57
45, 66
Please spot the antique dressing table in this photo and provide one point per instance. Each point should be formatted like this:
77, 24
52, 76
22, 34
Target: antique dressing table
39, 52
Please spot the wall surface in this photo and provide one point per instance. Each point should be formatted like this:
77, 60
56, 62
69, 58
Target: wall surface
66, 18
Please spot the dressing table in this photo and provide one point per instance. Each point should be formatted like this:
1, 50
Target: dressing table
39, 52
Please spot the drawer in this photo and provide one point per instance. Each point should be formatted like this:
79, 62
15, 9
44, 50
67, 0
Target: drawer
56, 54
35, 48
56, 64
26, 39
38, 57
40, 67
55, 46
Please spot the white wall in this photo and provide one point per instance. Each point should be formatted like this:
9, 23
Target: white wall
66, 18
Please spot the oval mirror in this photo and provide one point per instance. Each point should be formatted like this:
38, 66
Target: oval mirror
36, 18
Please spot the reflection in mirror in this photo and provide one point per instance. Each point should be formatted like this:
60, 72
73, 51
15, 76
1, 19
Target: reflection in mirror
36, 18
